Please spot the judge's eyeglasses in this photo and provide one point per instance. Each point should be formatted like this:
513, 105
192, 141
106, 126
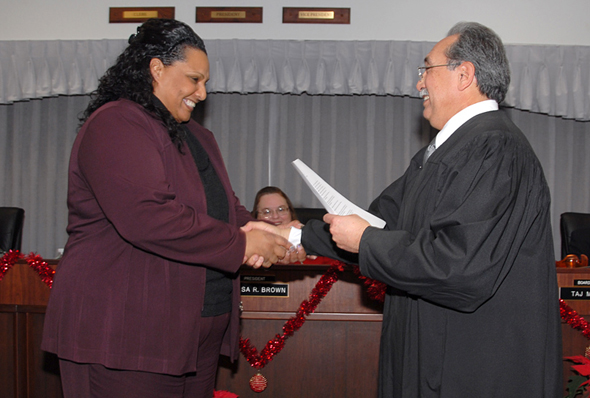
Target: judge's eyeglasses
422, 69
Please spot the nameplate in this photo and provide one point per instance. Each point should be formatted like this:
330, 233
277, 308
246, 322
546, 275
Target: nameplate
264, 289
581, 282
139, 14
574, 293
229, 14
316, 15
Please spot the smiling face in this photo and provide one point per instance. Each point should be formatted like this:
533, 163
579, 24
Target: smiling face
181, 85
439, 86
274, 208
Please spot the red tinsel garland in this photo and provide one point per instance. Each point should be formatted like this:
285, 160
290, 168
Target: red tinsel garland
274, 346
42, 268
375, 289
8, 260
571, 317
34, 261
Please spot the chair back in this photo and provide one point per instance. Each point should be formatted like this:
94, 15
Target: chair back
304, 214
575, 233
12, 220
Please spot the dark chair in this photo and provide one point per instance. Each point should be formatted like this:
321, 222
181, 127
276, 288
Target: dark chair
304, 214
575, 234
12, 220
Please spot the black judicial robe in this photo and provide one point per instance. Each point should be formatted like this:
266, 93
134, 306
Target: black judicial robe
467, 253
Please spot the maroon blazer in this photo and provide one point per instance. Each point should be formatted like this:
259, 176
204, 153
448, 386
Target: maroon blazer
129, 289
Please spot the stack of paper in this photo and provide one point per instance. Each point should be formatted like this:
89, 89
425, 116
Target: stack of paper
331, 199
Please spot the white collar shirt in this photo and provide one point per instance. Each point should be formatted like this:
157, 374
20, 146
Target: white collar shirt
462, 117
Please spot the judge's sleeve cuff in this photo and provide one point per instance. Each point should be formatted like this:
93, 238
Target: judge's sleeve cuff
295, 236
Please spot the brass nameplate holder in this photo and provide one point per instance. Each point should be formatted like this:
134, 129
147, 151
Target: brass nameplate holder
139, 14
229, 14
316, 15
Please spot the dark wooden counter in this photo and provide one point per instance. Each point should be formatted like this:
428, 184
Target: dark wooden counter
25, 370
334, 353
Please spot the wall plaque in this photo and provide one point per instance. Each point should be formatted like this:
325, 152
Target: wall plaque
229, 14
316, 15
138, 14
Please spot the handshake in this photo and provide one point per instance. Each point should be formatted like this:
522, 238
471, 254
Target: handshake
267, 244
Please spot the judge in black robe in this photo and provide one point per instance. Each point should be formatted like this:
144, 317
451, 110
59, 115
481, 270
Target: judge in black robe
471, 308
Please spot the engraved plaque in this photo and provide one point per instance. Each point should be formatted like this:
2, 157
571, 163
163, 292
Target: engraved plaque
138, 14
316, 15
229, 14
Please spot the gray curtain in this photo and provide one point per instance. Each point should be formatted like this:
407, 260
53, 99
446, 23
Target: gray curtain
547, 79
357, 143
344, 108
35, 141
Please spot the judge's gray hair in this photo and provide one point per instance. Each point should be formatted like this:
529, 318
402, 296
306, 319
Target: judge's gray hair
484, 49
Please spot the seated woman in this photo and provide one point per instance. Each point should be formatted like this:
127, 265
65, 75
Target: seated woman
273, 205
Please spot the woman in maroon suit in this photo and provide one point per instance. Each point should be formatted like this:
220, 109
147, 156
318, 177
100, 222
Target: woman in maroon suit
146, 295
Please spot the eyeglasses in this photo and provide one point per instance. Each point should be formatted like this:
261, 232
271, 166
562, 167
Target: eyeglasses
422, 69
281, 211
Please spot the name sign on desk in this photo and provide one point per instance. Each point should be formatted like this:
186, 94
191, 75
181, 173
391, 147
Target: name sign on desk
574, 293
264, 289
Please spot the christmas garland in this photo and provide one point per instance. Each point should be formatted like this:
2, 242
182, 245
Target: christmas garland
274, 346
571, 317
34, 261
258, 382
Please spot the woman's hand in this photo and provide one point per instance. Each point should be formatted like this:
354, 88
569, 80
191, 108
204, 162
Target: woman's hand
264, 248
293, 254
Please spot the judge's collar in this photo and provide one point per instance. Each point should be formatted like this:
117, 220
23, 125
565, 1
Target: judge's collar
462, 117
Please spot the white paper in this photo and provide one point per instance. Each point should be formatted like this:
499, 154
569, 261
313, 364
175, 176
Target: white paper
331, 199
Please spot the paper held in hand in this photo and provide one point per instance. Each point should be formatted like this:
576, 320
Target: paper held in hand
331, 199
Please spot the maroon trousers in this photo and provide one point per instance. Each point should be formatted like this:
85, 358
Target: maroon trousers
80, 380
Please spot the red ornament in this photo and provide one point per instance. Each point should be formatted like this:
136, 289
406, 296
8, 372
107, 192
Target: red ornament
258, 382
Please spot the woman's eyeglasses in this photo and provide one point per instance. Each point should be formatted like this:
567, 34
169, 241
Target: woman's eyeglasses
280, 211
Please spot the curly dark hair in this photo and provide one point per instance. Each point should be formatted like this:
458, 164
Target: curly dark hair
130, 77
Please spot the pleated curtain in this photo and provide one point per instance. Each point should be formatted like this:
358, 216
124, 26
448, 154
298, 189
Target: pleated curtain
347, 109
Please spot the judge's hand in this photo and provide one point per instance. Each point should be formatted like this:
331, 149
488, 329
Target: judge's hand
264, 248
295, 223
347, 230
294, 254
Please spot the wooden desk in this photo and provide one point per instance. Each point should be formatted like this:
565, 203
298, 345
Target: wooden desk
25, 370
334, 354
